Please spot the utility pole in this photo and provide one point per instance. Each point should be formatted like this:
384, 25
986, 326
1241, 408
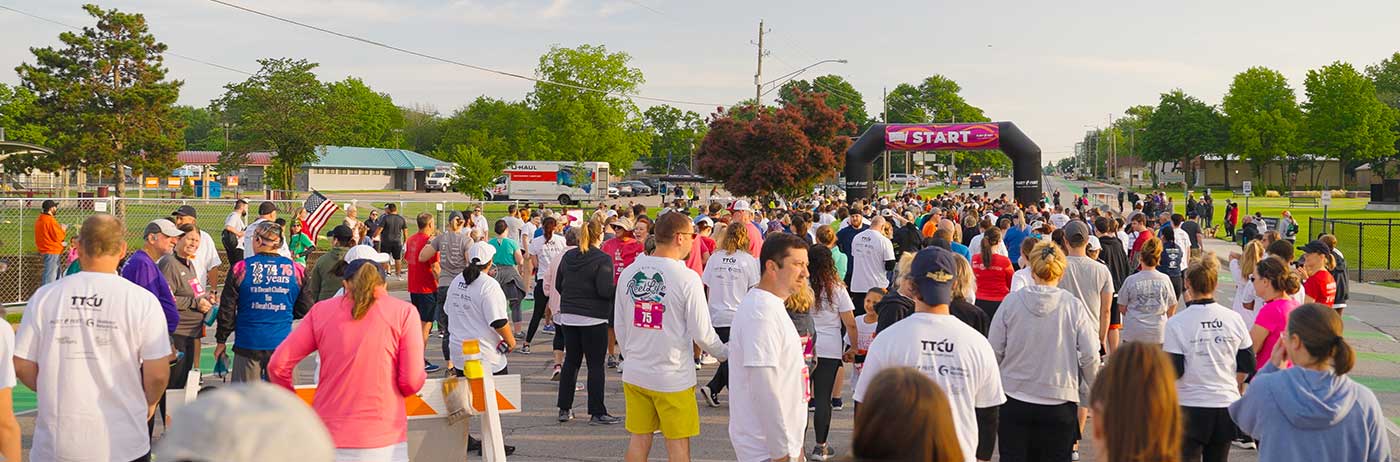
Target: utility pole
885, 114
1112, 150
758, 76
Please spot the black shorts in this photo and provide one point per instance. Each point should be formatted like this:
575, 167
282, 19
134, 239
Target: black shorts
1115, 317
393, 248
426, 305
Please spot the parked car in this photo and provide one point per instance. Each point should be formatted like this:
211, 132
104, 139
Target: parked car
977, 181
440, 180
613, 192
638, 188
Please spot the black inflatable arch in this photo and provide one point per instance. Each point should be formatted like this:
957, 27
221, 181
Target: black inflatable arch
1024, 154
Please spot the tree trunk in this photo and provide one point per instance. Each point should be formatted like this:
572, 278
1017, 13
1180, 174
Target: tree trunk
1225, 162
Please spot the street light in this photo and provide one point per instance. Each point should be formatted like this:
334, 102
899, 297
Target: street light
792, 74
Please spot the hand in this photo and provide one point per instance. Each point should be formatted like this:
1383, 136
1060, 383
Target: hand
204, 305
219, 350
849, 356
1280, 354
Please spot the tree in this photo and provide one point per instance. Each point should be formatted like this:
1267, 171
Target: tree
104, 99
474, 172
1263, 118
499, 131
836, 92
422, 127
1385, 75
588, 125
367, 118
675, 135
1181, 128
784, 151
204, 130
16, 113
283, 109
1344, 119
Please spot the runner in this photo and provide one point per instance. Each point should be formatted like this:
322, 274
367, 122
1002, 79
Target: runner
1273, 281
1147, 298
944, 348
835, 329
422, 280
159, 238
261, 298
193, 299
505, 268
584, 282
993, 273
1318, 285
544, 249
872, 258
729, 274
208, 257
661, 311
476, 307
769, 385
323, 282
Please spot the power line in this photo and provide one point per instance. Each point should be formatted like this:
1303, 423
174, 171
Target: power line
171, 53
457, 63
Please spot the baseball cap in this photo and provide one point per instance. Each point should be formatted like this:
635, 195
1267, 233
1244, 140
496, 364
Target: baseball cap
162, 226
48, 204
266, 207
480, 253
933, 271
740, 206
455, 215
273, 426
353, 267
341, 232
1059, 220
1094, 243
1315, 247
185, 211
1076, 231
240, 201
367, 253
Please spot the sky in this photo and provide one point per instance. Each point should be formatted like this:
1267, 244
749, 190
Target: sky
1055, 68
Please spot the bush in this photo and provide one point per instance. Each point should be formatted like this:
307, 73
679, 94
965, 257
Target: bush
186, 188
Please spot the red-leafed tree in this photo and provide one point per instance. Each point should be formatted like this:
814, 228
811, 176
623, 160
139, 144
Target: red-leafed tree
784, 151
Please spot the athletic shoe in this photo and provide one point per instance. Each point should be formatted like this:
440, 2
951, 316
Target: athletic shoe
707, 359
430, 367
711, 398
580, 386
555, 376
811, 406
566, 415
604, 419
548, 329
519, 335
697, 364
822, 452
1245, 443
612, 362
836, 404
619, 367
1074, 456
525, 350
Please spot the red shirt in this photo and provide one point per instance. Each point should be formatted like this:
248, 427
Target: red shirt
1141, 239
993, 282
622, 253
699, 246
1321, 287
420, 275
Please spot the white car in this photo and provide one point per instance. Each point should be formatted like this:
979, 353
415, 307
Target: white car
613, 193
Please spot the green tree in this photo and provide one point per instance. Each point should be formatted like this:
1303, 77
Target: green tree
105, 99
16, 112
500, 131
422, 128
588, 125
784, 151
203, 128
474, 171
836, 92
675, 135
366, 118
1386, 77
1263, 118
1344, 119
1180, 129
282, 109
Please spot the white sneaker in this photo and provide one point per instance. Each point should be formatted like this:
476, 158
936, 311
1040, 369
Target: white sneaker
707, 359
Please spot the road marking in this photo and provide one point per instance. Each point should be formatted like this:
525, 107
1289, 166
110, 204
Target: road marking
1367, 335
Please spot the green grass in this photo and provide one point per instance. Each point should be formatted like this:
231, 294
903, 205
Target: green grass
1390, 284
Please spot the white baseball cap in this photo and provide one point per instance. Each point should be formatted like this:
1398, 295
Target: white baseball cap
481, 253
1094, 243
741, 206
364, 252
273, 426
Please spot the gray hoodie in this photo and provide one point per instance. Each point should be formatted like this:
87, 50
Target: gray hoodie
1047, 346
1305, 415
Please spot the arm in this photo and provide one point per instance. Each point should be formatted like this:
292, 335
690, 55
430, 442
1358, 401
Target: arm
313, 282
228, 305
427, 253
1257, 334
410, 376
27, 372
302, 306
701, 331
603, 280
155, 374
1171, 310
298, 345
848, 318
1179, 362
1105, 305
770, 417
9, 427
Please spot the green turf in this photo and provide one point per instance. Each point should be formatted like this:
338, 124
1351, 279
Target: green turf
1378, 384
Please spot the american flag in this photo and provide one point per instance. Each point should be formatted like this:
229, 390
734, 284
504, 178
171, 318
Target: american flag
318, 209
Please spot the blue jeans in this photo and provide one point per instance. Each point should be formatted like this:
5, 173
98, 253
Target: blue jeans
51, 261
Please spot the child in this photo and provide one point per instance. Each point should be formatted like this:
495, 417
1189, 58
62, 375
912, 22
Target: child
865, 330
73, 265
300, 245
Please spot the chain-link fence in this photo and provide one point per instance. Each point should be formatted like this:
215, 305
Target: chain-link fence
1368, 244
21, 265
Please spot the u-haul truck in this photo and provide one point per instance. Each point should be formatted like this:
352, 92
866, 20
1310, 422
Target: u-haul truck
566, 182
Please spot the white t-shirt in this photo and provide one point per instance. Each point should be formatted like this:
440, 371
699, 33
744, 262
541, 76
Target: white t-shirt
1146, 295
549, 250
205, 258
1208, 336
89, 333
659, 312
869, 251
975, 246
235, 220
1183, 240
729, 276
1126, 240
1021, 279
764, 337
471, 308
1244, 293
527, 232
513, 227
951, 353
826, 320
826, 219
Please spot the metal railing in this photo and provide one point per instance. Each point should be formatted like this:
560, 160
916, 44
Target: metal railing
1368, 244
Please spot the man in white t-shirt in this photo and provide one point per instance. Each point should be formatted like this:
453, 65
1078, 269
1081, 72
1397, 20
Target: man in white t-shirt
727, 277
267, 211
94, 348
872, 257
232, 235
659, 313
951, 353
768, 386
514, 225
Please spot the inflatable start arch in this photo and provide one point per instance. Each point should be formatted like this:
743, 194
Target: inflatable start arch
1024, 154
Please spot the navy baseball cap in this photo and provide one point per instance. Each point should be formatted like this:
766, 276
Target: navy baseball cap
933, 271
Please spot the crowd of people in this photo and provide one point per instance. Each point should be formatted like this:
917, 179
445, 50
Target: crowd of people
966, 325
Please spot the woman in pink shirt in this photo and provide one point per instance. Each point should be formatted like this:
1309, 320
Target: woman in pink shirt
371, 350
1273, 281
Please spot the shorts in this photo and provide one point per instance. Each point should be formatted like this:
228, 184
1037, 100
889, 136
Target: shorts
393, 248
675, 413
426, 305
1115, 317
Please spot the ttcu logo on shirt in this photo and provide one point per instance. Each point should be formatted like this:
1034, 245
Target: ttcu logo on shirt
940, 346
79, 301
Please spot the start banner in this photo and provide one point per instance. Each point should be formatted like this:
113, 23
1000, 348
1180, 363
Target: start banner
930, 137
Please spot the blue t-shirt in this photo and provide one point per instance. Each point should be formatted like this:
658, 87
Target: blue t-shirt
1014, 236
266, 297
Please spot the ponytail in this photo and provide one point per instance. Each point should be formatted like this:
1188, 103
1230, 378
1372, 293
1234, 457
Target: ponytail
589, 235
549, 224
364, 289
472, 272
990, 239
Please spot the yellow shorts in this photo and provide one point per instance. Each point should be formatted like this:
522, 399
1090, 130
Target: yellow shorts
675, 413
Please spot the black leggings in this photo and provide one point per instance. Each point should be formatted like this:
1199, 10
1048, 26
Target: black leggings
823, 380
541, 304
988, 306
721, 378
1208, 434
589, 342
1033, 432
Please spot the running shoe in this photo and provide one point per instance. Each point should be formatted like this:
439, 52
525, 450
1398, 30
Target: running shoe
811, 406
525, 350
697, 364
1245, 442
1074, 456
612, 362
619, 367
604, 419
555, 376
519, 335
707, 359
430, 367
566, 415
548, 329
580, 386
822, 452
711, 398
836, 404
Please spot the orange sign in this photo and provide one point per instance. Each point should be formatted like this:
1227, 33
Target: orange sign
173, 182
233, 180
152, 182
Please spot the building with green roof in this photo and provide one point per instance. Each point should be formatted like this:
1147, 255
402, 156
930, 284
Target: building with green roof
346, 168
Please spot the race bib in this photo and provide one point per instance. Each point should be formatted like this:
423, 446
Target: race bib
808, 347
647, 315
196, 287
806, 384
